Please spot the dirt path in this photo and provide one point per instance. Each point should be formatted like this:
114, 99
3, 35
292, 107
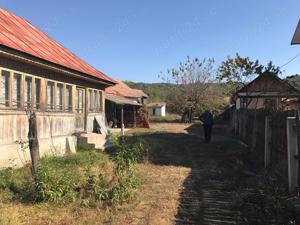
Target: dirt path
189, 181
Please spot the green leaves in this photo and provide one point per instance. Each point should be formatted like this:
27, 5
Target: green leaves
243, 69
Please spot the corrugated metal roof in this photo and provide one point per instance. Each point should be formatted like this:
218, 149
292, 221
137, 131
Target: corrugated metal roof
120, 100
122, 89
19, 34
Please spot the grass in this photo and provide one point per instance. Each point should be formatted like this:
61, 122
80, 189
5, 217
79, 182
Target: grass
169, 118
177, 166
146, 205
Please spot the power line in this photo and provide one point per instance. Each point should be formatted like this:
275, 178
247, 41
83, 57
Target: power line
291, 60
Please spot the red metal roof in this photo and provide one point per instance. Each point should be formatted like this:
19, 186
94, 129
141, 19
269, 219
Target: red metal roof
19, 34
122, 89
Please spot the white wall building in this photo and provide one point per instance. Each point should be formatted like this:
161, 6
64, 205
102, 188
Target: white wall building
157, 109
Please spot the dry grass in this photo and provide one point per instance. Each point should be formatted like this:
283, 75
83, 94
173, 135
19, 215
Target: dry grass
169, 118
158, 197
156, 201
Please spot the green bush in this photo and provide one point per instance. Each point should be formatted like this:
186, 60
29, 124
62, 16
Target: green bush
94, 189
6, 178
123, 189
127, 154
76, 177
55, 181
13, 179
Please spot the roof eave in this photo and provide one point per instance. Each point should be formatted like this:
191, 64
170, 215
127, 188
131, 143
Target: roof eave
30, 59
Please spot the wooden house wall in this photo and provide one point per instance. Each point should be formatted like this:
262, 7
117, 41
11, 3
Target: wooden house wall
53, 127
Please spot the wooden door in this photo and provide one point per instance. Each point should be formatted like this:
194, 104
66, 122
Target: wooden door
80, 109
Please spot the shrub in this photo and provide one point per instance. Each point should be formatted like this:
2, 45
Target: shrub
13, 179
123, 189
6, 178
127, 154
94, 189
56, 182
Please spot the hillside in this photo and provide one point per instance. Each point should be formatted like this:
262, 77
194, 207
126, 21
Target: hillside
156, 91
215, 98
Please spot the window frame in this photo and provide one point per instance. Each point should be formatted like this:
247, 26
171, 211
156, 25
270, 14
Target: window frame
97, 100
47, 106
68, 109
57, 107
38, 94
16, 103
7, 93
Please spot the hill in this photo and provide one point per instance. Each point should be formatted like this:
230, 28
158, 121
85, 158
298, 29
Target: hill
156, 91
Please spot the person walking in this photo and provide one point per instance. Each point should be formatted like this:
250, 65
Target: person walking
207, 120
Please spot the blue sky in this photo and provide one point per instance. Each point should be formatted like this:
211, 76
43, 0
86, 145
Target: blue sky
136, 39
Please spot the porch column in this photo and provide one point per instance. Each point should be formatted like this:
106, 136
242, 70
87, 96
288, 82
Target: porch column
86, 109
134, 116
122, 120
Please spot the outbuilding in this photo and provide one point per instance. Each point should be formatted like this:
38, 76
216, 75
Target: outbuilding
125, 105
157, 109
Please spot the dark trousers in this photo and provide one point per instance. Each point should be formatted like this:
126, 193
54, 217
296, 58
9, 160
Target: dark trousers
207, 133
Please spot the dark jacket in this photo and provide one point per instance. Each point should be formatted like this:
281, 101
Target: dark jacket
207, 118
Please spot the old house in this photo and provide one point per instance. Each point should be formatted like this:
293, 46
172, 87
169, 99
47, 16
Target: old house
157, 109
38, 74
267, 91
125, 104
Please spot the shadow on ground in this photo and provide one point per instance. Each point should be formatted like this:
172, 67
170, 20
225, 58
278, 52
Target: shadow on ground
206, 196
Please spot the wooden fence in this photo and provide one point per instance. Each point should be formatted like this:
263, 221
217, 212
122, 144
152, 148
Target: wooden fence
265, 133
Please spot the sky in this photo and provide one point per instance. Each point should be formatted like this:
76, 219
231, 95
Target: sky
137, 39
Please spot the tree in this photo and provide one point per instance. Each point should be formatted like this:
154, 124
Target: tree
238, 71
192, 79
33, 141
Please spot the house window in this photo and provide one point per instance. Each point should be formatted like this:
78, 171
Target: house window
91, 100
68, 98
28, 92
16, 90
37, 92
59, 96
79, 101
50, 95
153, 111
96, 101
100, 101
4, 88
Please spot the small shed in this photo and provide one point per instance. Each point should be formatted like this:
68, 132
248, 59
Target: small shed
157, 108
123, 103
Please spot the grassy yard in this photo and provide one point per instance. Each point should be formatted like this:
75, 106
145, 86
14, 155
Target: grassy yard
169, 118
182, 180
155, 201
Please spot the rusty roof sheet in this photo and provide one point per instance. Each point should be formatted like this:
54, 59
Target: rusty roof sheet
120, 100
19, 34
122, 89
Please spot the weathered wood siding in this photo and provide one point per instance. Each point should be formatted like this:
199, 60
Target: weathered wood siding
53, 127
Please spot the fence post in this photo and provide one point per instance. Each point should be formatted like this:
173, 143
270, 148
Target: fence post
292, 153
239, 123
244, 129
235, 116
267, 141
254, 133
